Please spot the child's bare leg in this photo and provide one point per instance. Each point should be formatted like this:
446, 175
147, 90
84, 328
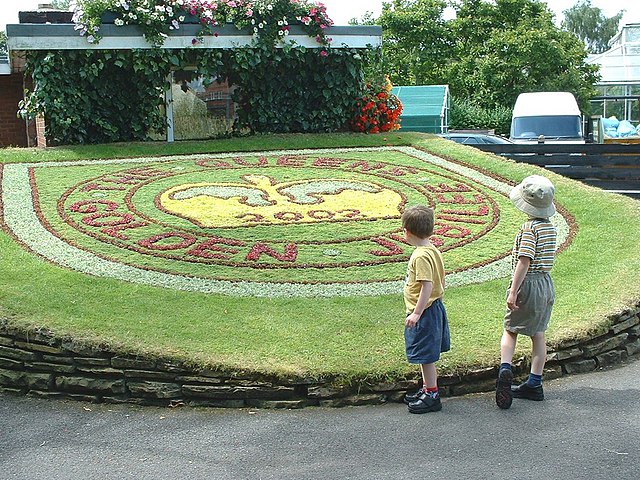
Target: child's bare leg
532, 388
538, 353
507, 346
429, 375
429, 398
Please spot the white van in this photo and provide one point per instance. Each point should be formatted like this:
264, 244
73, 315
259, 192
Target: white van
549, 117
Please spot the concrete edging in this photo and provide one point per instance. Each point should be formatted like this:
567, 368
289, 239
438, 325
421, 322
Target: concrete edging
39, 364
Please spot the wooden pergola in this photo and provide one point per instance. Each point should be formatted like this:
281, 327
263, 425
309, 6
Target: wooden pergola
45, 36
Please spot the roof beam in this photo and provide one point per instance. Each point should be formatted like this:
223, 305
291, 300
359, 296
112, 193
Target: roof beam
32, 36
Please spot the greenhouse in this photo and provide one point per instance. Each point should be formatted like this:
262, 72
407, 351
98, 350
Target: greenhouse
425, 108
619, 86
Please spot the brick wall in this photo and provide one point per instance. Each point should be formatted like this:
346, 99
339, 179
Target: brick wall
13, 130
218, 99
41, 138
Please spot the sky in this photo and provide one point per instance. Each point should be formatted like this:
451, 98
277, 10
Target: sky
341, 11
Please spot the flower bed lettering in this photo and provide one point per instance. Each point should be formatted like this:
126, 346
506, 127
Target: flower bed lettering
327, 218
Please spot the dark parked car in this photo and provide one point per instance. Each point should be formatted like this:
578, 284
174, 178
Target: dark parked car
474, 138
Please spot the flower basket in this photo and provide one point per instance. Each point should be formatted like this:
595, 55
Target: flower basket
378, 110
270, 22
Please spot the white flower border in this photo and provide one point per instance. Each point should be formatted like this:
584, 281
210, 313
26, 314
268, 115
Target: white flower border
21, 218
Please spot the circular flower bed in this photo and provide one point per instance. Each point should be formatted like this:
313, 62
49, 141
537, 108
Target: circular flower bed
290, 223
162, 255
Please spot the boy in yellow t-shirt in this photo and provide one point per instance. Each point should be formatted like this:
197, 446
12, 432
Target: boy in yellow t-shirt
426, 331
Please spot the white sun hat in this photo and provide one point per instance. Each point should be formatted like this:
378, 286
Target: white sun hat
534, 196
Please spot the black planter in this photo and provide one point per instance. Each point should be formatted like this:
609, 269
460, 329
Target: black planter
108, 17
45, 17
188, 18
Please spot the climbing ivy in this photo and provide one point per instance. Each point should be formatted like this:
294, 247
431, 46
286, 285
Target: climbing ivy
295, 89
98, 96
95, 96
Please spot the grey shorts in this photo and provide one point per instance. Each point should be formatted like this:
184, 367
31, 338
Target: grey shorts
535, 299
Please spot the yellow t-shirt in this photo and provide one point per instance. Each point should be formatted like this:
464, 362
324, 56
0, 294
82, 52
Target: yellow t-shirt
425, 264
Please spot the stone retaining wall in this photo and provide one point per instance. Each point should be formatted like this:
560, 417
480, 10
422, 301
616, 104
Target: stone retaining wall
39, 364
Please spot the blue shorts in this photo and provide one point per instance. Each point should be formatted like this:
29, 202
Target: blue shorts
430, 337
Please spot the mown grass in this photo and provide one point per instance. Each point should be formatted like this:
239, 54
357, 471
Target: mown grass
244, 144
347, 338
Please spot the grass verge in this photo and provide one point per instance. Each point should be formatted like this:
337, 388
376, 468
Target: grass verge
347, 337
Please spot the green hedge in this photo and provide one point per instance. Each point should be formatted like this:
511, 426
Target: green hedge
295, 89
101, 96
466, 114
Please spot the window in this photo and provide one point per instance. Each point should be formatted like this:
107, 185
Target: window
614, 91
614, 108
597, 107
632, 34
551, 126
633, 111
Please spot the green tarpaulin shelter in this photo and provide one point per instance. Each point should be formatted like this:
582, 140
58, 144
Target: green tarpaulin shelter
425, 108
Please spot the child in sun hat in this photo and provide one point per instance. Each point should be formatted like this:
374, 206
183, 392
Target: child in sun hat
531, 294
426, 332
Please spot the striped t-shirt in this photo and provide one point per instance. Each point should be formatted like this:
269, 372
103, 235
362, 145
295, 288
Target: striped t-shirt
537, 241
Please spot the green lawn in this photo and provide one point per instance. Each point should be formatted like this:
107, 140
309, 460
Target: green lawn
347, 337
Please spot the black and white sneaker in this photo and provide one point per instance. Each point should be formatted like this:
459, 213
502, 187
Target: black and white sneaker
412, 397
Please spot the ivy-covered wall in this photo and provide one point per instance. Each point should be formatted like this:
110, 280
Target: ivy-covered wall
297, 89
98, 96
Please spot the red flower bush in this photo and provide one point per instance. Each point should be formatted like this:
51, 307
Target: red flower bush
378, 110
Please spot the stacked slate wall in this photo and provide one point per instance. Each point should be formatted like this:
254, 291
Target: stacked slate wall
40, 364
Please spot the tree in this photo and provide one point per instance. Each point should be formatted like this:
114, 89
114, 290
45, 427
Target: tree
366, 19
508, 47
415, 41
491, 52
591, 26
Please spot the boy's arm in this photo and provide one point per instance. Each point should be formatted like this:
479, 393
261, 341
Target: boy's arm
421, 304
518, 277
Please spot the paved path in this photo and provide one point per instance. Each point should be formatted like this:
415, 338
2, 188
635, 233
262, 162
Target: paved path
587, 428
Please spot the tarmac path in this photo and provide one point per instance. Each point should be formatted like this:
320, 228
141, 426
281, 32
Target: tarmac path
588, 427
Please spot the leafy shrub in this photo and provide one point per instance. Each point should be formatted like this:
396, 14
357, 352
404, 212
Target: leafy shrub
466, 114
100, 96
105, 96
94, 96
